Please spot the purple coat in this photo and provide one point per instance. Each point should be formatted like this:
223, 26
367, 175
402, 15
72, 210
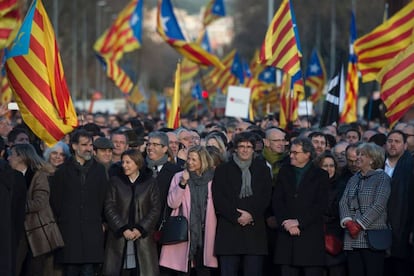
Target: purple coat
175, 256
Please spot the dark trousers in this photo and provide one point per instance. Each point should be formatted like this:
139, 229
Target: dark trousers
398, 267
289, 270
28, 265
198, 269
252, 265
78, 270
365, 262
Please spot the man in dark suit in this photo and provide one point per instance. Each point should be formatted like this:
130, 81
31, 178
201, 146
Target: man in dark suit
163, 170
299, 203
399, 166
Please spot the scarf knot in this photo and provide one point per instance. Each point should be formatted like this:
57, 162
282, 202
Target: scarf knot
246, 188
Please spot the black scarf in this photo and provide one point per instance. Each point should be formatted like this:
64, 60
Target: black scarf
198, 185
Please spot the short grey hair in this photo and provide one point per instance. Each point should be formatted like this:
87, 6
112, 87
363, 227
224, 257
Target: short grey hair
160, 135
375, 152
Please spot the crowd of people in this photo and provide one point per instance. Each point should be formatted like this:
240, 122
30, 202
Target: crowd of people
259, 200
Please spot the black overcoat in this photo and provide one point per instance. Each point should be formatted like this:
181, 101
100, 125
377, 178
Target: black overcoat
231, 237
400, 206
77, 195
118, 215
306, 202
12, 213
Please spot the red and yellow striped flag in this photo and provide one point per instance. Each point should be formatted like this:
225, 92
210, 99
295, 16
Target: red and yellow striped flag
174, 113
397, 85
280, 47
189, 69
5, 91
214, 10
120, 37
118, 76
376, 49
10, 19
35, 73
123, 36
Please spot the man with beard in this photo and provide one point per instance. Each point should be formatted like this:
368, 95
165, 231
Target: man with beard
318, 141
77, 196
399, 166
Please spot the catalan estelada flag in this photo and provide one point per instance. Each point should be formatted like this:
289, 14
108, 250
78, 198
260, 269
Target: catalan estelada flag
214, 10
397, 85
10, 19
174, 113
35, 73
349, 112
316, 76
281, 47
169, 30
125, 35
376, 49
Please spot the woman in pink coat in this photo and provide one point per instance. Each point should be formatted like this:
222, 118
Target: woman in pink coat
191, 189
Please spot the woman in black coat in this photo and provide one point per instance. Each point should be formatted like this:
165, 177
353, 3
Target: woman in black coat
132, 208
335, 260
299, 205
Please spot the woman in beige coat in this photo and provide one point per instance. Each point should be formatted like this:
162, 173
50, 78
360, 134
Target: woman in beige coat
42, 234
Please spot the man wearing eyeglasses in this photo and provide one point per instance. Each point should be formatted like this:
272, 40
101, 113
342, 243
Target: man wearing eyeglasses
275, 154
163, 170
299, 203
399, 166
241, 194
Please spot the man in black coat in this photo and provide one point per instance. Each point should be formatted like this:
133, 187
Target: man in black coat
77, 197
399, 165
12, 213
299, 203
163, 170
241, 193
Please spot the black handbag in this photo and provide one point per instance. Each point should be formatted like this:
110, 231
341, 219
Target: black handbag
174, 229
380, 239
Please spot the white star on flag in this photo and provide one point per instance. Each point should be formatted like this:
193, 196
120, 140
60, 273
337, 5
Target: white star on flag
134, 19
164, 23
314, 68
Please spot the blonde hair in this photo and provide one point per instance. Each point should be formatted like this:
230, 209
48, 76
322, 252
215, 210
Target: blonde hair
205, 158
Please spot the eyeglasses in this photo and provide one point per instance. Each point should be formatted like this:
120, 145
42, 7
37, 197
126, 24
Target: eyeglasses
409, 135
328, 166
295, 152
243, 147
154, 145
278, 140
351, 161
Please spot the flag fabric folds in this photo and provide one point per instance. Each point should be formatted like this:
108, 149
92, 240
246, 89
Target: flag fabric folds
35, 73
214, 10
376, 49
397, 85
125, 35
237, 68
169, 30
331, 108
349, 112
5, 91
174, 113
10, 19
281, 46
316, 76
135, 96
